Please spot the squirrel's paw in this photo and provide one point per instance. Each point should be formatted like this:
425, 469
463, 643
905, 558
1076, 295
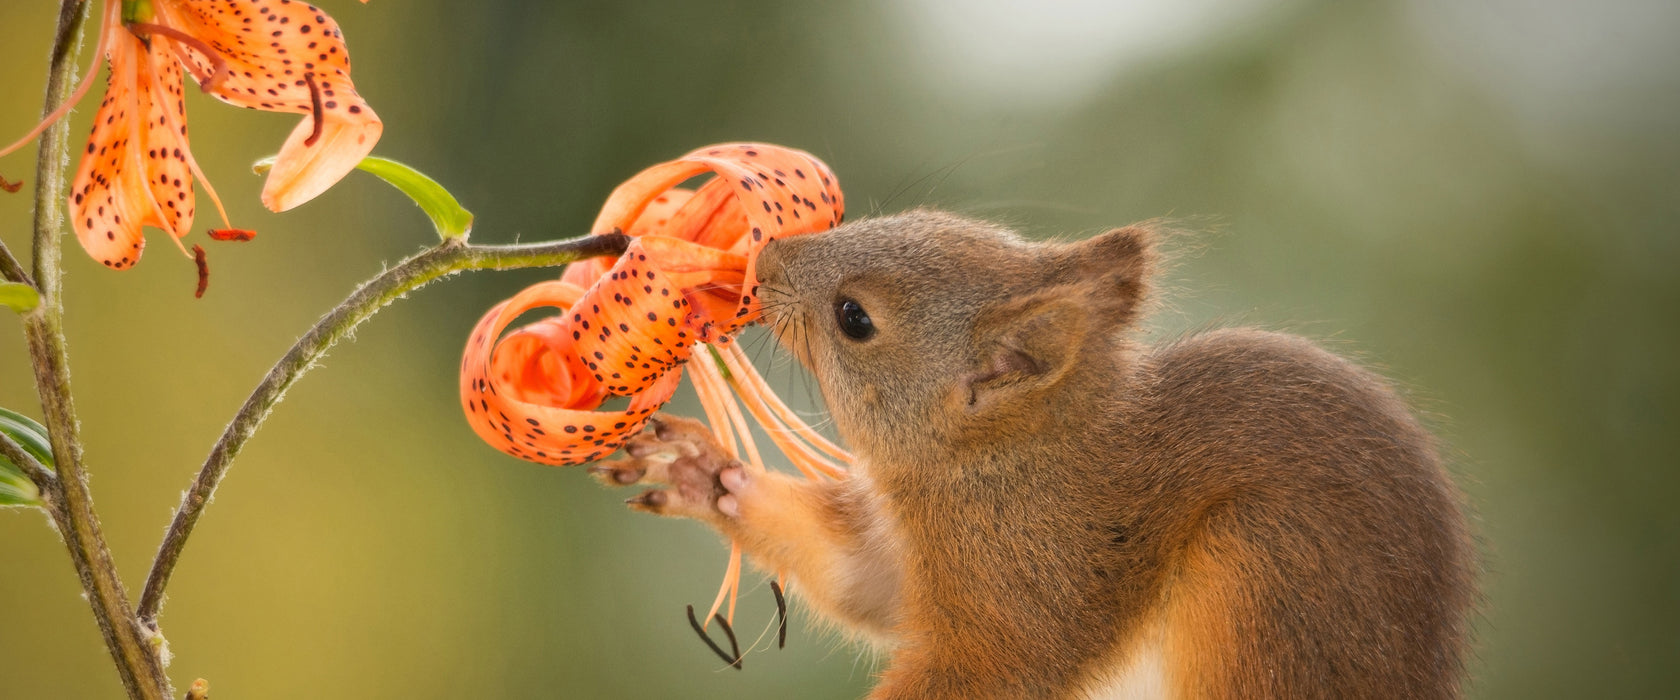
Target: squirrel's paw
679, 454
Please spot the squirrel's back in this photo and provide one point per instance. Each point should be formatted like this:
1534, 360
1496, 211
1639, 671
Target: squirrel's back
1304, 518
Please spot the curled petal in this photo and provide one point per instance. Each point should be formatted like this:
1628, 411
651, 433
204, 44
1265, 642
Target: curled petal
780, 191
524, 424
627, 201
627, 335
653, 220
684, 280
535, 365
713, 217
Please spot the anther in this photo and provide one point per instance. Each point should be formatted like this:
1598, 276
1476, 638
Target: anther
315, 105
218, 65
231, 234
203, 271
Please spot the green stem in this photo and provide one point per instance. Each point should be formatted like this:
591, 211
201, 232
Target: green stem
139, 662
451, 256
39, 474
10, 269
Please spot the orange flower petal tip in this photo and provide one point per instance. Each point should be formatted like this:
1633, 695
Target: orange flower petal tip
305, 168
10, 186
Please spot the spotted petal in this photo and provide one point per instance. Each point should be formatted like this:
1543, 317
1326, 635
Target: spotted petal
682, 282
280, 56
780, 191
548, 426
653, 221
135, 170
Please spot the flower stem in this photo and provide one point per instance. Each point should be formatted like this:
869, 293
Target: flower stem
10, 269
451, 256
138, 661
43, 478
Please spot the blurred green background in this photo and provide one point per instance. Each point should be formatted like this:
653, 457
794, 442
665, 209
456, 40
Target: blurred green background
1478, 198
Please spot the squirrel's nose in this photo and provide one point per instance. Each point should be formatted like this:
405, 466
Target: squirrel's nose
772, 262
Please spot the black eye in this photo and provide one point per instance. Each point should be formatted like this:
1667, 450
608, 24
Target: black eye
853, 320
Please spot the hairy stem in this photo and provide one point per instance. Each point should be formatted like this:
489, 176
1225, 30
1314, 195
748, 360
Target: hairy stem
138, 661
451, 256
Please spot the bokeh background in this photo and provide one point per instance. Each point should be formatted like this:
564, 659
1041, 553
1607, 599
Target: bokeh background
1479, 198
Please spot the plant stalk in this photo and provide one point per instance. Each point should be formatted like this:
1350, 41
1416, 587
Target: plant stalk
39, 474
10, 269
139, 661
451, 256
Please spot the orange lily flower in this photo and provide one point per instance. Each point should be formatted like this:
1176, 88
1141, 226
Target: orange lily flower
138, 169
676, 296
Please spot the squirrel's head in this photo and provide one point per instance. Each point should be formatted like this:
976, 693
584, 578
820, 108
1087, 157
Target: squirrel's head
927, 328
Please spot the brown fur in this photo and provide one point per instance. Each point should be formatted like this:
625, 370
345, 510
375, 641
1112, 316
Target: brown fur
1038, 497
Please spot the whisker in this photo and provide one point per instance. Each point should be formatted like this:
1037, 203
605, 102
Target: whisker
805, 377
949, 171
904, 184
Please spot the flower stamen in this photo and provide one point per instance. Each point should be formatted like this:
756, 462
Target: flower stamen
218, 65
203, 271
315, 105
81, 87
192, 162
231, 234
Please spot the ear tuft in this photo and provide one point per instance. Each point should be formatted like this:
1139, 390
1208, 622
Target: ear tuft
1116, 268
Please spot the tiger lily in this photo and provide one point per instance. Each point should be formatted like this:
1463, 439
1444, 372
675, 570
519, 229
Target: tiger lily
676, 297
138, 170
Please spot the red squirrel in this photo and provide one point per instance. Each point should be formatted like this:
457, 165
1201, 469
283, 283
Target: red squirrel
1044, 507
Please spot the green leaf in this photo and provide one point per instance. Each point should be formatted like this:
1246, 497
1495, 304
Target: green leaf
31, 435
16, 489
448, 216
19, 296
19, 491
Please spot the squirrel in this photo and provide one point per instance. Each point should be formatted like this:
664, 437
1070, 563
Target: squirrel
1044, 507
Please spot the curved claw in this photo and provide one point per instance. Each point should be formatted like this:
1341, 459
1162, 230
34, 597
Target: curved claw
681, 431
618, 472
652, 501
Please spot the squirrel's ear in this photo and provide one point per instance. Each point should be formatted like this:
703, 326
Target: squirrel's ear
1115, 268
1024, 346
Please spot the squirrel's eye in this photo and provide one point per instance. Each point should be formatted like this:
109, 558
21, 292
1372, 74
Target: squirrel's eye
853, 320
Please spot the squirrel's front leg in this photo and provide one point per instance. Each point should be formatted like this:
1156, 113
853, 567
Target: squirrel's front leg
825, 535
